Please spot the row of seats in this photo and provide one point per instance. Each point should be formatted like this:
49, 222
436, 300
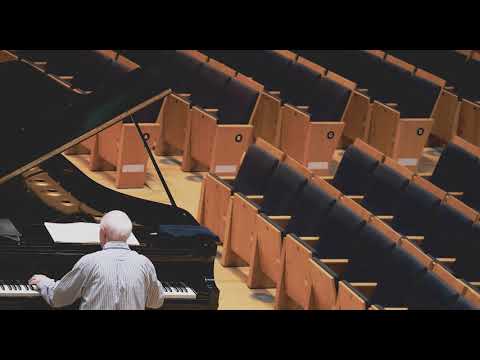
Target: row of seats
401, 93
460, 69
372, 115
77, 75
443, 226
276, 232
314, 105
212, 113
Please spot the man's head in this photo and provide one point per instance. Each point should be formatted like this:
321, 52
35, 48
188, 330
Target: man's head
115, 226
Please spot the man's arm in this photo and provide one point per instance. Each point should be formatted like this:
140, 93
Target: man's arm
65, 291
155, 293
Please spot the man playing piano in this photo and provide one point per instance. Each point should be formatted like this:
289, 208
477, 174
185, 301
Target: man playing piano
114, 278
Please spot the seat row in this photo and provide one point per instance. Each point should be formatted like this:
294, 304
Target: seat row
372, 114
401, 95
212, 113
260, 233
460, 69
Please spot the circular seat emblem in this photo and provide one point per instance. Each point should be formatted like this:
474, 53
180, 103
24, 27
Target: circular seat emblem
238, 138
146, 136
420, 131
330, 134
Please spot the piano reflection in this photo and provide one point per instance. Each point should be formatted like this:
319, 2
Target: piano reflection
41, 119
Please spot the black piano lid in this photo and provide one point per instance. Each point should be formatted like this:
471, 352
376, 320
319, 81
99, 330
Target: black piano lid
25, 143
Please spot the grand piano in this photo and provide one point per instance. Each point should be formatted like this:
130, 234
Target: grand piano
38, 184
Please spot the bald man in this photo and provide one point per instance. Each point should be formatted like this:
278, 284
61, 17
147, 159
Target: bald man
115, 278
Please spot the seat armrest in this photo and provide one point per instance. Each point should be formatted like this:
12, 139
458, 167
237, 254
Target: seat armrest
446, 261
337, 265
356, 198
415, 238
455, 193
280, 220
256, 199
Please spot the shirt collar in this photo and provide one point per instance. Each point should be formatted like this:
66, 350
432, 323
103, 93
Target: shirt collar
116, 245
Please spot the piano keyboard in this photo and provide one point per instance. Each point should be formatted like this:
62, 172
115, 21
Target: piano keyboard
173, 290
17, 289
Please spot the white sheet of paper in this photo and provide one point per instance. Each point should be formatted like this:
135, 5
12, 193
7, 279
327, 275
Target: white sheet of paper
79, 233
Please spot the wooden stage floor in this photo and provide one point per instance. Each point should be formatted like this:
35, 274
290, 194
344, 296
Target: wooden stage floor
185, 188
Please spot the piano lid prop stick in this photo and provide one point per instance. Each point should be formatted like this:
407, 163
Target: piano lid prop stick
154, 162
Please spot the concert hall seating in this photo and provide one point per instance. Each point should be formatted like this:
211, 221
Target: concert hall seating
256, 168
460, 69
404, 282
405, 99
212, 114
354, 172
314, 104
312, 204
283, 188
387, 183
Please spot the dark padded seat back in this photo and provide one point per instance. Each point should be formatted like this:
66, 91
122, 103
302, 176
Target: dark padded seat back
237, 103
354, 172
467, 265
414, 212
371, 253
329, 100
311, 208
448, 232
429, 292
282, 190
384, 191
207, 87
255, 171
338, 232
396, 278
301, 80
471, 194
420, 99
274, 70
454, 168
184, 72
469, 86
395, 82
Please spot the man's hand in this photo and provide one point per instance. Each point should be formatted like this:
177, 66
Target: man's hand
36, 279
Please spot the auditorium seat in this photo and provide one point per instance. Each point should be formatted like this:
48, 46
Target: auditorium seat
389, 180
466, 264
311, 207
282, 190
310, 264
455, 165
216, 140
404, 99
311, 130
471, 192
258, 164
354, 173
449, 229
414, 213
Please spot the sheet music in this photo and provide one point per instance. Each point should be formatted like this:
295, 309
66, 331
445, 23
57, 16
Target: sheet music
79, 233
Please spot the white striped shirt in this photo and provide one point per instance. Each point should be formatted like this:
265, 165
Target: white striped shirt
115, 278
